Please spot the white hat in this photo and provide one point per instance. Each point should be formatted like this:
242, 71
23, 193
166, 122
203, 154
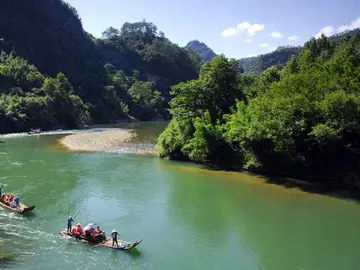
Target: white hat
114, 230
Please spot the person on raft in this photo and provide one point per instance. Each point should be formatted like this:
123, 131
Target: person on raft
69, 224
77, 231
88, 230
15, 203
1, 191
11, 200
114, 235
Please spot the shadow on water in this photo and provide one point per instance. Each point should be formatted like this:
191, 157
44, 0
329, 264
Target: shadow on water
29, 214
7, 259
333, 190
336, 190
133, 253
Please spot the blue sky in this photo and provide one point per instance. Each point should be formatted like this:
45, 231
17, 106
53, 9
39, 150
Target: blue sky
236, 28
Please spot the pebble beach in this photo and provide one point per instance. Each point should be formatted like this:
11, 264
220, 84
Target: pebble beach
98, 141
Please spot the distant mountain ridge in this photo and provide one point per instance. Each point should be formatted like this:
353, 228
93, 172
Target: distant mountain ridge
279, 57
261, 62
206, 54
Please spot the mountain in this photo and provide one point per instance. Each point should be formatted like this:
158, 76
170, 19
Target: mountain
49, 61
206, 54
344, 35
282, 54
49, 34
250, 64
259, 63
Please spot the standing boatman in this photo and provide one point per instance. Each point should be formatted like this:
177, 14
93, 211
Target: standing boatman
114, 235
17, 203
69, 224
1, 191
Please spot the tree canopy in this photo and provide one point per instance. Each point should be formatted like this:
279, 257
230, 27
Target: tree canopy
301, 120
45, 38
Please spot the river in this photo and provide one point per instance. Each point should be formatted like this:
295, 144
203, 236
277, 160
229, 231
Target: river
188, 217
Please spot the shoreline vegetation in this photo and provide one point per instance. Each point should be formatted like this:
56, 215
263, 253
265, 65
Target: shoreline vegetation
300, 121
94, 141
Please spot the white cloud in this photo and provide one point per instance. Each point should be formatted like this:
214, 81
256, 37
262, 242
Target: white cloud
248, 40
347, 27
330, 30
255, 28
276, 35
293, 37
251, 29
327, 31
264, 45
229, 32
244, 26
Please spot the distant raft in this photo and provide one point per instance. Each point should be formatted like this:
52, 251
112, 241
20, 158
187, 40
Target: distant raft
22, 209
107, 242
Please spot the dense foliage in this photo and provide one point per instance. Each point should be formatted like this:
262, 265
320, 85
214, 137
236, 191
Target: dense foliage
28, 99
206, 54
125, 74
301, 120
139, 46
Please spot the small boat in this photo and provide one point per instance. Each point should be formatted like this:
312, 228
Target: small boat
23, 207
107, 242
34, 131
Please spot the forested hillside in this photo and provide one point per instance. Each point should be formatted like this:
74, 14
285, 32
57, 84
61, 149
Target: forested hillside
302, 120
259, 63
206, 54
127, 73
282, 54
254, 64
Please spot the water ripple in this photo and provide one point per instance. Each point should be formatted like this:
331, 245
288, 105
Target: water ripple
18, 164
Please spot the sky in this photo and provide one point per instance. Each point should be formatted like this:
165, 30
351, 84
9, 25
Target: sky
235, 28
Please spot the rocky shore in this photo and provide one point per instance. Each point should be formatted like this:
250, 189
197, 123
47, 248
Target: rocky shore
96, 141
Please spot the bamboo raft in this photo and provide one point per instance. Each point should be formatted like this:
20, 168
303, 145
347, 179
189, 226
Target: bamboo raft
23, 208
124, 245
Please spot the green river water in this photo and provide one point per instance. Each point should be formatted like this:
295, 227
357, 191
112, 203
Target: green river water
188, 217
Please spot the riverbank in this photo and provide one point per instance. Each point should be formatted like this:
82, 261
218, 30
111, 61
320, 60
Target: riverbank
96, 141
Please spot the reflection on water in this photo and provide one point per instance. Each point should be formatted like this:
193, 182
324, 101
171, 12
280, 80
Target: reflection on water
273, 226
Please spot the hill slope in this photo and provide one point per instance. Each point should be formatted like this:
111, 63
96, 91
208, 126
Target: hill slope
206, 54
250, 64
282, 54
109, 75
262, 62
259, 63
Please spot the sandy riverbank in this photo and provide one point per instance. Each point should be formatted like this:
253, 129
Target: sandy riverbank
96, 141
